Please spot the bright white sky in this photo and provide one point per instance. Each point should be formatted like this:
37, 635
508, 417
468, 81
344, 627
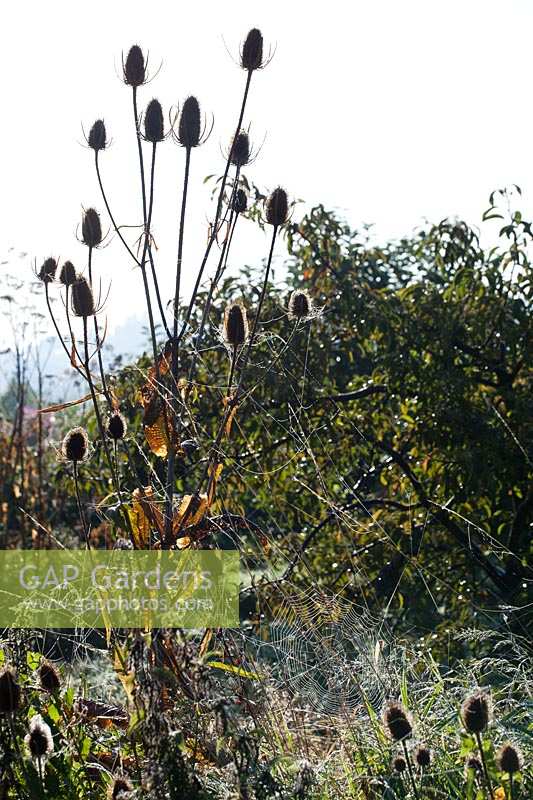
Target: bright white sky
391, 111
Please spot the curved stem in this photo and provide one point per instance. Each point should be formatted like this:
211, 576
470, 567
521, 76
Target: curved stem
65, 348
111, 217
97, 336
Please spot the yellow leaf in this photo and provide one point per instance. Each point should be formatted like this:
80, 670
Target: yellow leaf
190, 512
242, 673
156, 437
214, 472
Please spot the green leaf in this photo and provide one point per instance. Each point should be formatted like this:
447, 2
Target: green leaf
242, 673
33, 659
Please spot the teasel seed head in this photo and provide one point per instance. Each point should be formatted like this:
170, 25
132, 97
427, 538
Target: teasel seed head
240, 149
134, 67
252, 51
190, 123
397, 721
120, 789
277, 208
49, 677
473, 763
82, 298
10, 691
235, 327
97, 136
399, 764
75, 445
116, 426
91, 228
509, 758
422, 755
39, 740
240, 201
154, 128
476, 712
300, 304
47, 272
68, 275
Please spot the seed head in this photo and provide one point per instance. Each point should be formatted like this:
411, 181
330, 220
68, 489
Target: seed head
135, 68
240, 201
476, 712
116, 426
97, 136
47, 272
277, 208
240, 149
91, 228
422, 755
235, 328
49, 677
190, 124
120, 789
68, 276
399, 764
82, 299
154, 129
252, 51
75, 445
300, 305
509, 758
473, 763
397, 721
10, 692
39, 740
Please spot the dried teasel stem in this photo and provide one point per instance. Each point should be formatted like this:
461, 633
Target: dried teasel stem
175, 347
218, 212
97, 335
101, 430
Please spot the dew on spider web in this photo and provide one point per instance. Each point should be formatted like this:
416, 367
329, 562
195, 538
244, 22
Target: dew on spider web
330, 653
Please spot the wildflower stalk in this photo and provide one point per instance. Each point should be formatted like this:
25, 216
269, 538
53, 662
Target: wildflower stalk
218, 212
409, 768
484, 764
80, 508
97, 335
175, 349
222, 262
101, 428
142, 263
234, 400
59, 336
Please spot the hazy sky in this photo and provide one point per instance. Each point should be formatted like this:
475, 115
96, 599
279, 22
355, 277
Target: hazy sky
388, 110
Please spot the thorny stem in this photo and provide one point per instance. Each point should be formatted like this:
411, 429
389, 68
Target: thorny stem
111, 217
97, 335
174, 361
235, 398
52, 317
148, 244
101, 427
214, 231
146, 230
484, 763
409, 768
80, 508
218, 274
